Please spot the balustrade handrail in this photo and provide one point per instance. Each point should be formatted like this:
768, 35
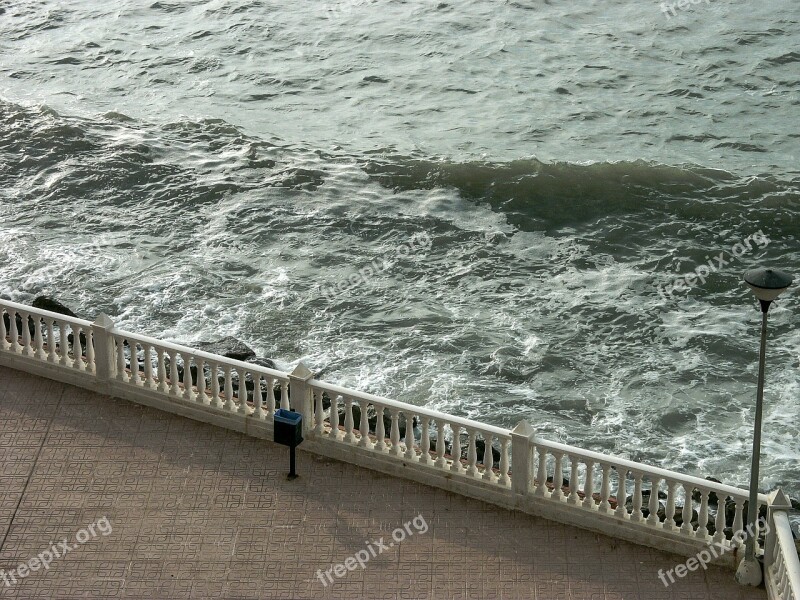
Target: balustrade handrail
207, 356
405, 406
40, 312
785, 545
630, 465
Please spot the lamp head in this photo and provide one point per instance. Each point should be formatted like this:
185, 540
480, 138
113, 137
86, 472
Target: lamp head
767, 284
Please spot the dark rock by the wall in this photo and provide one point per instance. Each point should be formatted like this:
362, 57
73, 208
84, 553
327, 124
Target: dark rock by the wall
53, 305
228, 347
712, 496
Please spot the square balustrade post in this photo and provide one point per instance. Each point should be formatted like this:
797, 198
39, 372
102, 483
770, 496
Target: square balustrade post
104, 358
521, 437
300, 395
777, 501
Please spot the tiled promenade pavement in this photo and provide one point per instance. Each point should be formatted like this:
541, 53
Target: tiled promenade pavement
202, 512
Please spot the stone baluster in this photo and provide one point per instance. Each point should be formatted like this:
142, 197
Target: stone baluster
334, 418
134, 377
161, 366
504, 463
380, 429
38, 343
719, 522
652, 518
702, 517
213, 380
349, 436
216, 399
637, 514
77, 353
441, 462
51, 341
605, 488
12, 323
488, 458
410, 454
90, 364
271, 397
558, 476
425, 442
669, 522
63, 342
472, 453
738, 520
456, 466
230, 405
363, 426
588, 486
573, 480
201, 397
188, 384
319, 413
686, 527
258, 399
285, 395
241, 394
541, 473
4, 343
621, 493
27, 349
122, 375
174, 390
395, 434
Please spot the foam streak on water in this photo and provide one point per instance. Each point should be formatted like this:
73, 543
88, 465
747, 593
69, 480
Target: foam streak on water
206, 168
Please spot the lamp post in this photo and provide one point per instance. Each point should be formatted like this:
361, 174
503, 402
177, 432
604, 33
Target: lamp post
767, 284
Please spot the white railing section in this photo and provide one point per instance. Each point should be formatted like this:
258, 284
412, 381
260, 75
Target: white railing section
513, 468
782, 572
417, 435
635, 493
50, 337
198, 377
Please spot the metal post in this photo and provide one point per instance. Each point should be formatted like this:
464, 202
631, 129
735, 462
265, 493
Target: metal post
749, 571
752, 507
292, 474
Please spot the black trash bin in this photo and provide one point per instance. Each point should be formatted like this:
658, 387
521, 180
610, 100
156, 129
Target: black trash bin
288, 431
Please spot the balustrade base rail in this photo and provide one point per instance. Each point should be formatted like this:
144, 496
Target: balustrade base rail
513, 469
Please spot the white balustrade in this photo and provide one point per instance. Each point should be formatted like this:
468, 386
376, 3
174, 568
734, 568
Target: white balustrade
166, 371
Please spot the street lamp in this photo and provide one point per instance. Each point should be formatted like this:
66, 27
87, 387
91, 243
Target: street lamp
767, 284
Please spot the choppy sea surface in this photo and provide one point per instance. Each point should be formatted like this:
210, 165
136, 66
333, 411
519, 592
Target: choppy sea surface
482, 207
